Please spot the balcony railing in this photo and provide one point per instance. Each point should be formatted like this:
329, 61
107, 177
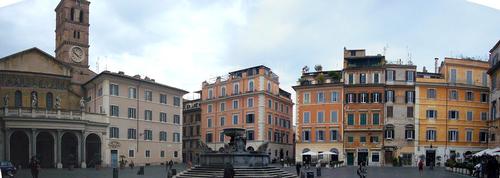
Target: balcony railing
41, 113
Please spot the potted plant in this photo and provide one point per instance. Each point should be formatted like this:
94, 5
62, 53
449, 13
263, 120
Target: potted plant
123, 162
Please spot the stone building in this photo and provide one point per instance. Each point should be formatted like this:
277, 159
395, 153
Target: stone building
191, 132
399, 126
494, 74
451, 110
320, 114
249, 98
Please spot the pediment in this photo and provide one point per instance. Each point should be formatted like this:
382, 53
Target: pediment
36, 61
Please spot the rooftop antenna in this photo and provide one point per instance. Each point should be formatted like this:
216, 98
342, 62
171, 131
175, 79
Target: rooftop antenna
409, 55
97, 65
436, 65
385, 48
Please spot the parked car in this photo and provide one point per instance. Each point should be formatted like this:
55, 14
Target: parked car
7, 169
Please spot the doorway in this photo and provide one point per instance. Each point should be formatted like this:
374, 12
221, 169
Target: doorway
430, 157
45, 149
114, 158
350, 158
388, 156
363, 157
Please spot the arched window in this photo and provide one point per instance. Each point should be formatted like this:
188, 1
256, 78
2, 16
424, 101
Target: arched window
250, 85
34, 97
19, 99
305, 150
48, 101
389, 132
223, 91
236, 88
409, 132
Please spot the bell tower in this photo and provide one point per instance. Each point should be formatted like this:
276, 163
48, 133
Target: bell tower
72, 32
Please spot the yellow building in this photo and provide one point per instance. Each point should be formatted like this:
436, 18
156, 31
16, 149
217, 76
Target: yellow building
452, 110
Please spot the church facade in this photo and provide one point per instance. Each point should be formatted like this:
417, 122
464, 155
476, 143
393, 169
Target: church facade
49, 109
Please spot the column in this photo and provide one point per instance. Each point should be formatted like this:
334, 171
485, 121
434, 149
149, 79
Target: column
82, 146
58, 140
33, 142
7, 143
79, 148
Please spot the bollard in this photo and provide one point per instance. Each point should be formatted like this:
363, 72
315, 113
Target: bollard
115, 172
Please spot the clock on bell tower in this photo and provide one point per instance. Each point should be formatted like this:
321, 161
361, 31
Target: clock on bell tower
72, 32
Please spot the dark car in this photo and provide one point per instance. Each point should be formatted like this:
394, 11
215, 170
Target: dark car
7, 168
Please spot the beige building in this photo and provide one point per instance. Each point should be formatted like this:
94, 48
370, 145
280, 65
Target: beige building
145, 117
494, 121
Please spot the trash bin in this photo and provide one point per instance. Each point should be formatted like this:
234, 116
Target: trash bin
318, 171
310, 174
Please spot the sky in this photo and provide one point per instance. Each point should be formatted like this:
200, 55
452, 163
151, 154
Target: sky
182, 43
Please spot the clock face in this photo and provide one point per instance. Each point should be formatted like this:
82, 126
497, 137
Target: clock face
76, 54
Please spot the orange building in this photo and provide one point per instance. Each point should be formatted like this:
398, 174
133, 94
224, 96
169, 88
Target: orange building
249, 98
452, 110
319, 114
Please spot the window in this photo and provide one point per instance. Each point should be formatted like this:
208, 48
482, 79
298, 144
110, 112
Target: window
410, 76
484, 116
351, 98
409, 111
350, 119
375, 157
431, 93
320, 135
390, 112
453, 75
270, 135
390, 76
468, 135
222, 121
484, 97
469, 115
131, 153
250, 119
209, 108
389, 132
148, 95
113, 90
351, 79
333, 135
306, 135
410, 96
362, 78
163, 136
177, 137
163, 117
334, 97
132, 134
269, 86
453, 115
431, 114
321, 97
132, 93
307, 99
163, 99
223, 106
409, 132
162, 154
147, 154
115, 111
483, 136
250, 85
376, 97
431, 135
235, 119
321, 117
99, 92
250, 135
363, 97
307, 117
452, 135
350, 139
469, 77
236, 88
376, 119
250, 102
148, 134
374, 139
210, 93
177, 119
209, 122
469, 96
454, 95
362, 119
132, 113
18, 99
389, 96
485, 79
177, 101
148, 115
376, 78
48, 100
269, 119
208, 138
362, 139
235, 104
334, 117
114, 132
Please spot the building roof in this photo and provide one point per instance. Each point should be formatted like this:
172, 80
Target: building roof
495, 47
34, 49
254, 67
133, 78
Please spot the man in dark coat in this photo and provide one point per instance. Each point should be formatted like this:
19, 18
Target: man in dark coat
297, 167
228, 171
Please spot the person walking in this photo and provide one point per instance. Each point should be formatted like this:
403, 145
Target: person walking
421, 167
297, 167
35, 167
362, 172
228, 171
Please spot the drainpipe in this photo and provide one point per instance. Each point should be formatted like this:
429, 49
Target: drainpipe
137, 117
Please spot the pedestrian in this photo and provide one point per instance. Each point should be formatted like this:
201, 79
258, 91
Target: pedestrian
297, 167
228, 171
35, 167
131, 164
362, 172
421, 167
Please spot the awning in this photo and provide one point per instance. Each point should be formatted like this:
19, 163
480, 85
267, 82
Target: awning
328, 153
310, 153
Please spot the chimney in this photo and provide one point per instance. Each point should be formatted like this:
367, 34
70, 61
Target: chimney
121, 72
137, 76
436, 65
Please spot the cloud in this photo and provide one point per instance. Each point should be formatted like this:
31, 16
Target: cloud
489, 3
5, 3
